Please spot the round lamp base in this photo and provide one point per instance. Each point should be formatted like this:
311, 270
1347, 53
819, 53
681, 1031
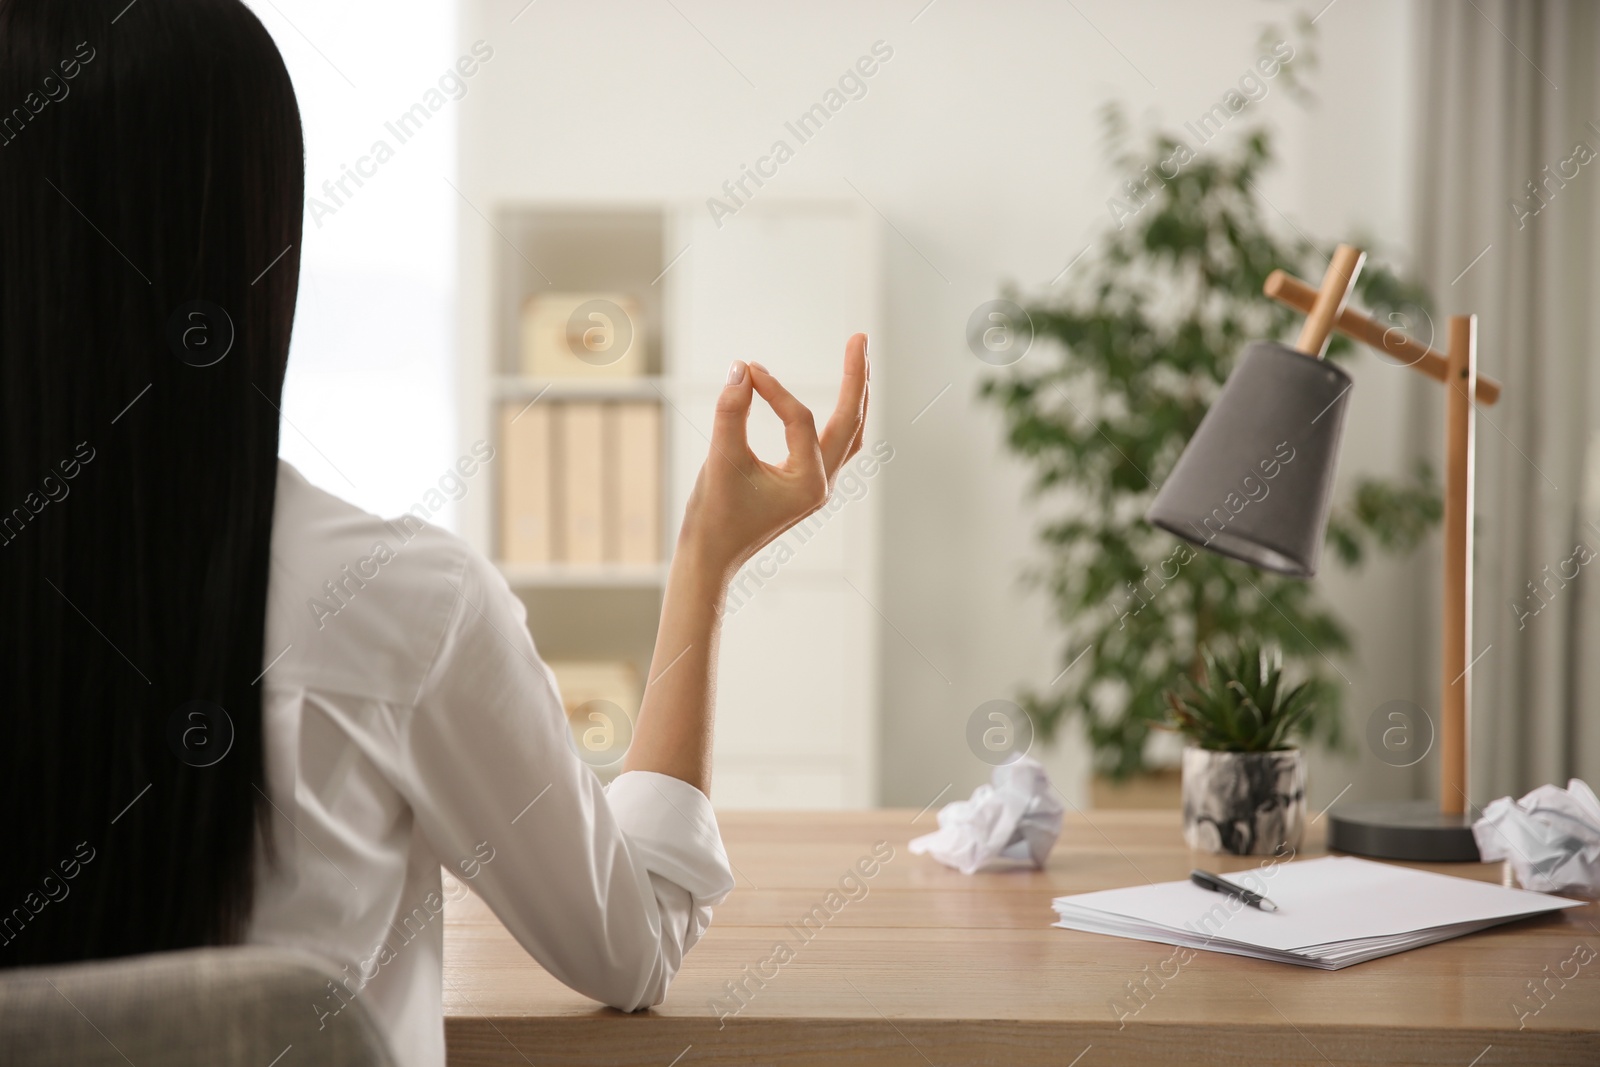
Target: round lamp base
1402, 830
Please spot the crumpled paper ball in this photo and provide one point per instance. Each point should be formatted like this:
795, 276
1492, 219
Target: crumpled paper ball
1012, 822
1551, 838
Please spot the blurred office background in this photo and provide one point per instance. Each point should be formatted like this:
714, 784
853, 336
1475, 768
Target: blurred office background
557, 150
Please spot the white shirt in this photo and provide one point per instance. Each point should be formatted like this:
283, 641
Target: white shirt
409, 723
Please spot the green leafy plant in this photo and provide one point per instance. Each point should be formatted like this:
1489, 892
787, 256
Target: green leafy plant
1122, 368
1240, 704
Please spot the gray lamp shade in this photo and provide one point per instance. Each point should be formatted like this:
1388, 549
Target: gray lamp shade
1256, 479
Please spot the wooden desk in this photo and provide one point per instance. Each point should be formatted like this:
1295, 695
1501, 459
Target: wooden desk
932, 967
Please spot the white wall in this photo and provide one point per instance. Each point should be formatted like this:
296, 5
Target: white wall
979, 143
368, 399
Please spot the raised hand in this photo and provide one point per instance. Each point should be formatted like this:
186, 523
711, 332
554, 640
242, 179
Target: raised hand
740, 503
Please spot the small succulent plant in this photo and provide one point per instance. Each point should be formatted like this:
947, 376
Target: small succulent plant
1240, 703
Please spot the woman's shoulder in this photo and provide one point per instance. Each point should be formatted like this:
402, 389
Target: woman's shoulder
356, 603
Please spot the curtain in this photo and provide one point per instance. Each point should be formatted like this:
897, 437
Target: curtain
1508, 227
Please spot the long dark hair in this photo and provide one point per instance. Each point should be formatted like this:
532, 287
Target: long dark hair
151, 188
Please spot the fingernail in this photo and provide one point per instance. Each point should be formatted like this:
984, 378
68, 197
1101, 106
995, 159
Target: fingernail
759, 367
735, 372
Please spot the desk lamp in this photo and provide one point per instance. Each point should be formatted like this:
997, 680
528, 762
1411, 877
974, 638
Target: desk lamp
1255, 483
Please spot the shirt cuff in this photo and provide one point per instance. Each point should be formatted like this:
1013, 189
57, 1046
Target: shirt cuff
670, 825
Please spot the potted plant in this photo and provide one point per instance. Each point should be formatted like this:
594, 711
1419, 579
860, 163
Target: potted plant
1244, 779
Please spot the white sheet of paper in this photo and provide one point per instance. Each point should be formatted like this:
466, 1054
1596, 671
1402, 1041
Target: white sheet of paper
1323, 901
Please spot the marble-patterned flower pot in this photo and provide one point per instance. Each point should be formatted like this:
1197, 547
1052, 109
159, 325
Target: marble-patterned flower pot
1244, 803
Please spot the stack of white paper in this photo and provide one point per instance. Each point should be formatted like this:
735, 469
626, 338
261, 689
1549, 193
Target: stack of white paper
1333, 912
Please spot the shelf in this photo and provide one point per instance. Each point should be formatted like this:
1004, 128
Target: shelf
575, 576
514, 387
617, 249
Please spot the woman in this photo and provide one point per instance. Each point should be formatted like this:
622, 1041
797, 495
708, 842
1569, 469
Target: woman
194, 752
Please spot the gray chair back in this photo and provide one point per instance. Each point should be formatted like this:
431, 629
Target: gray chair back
250, 1005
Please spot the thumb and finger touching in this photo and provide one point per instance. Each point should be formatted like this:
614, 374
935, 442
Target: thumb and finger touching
809, 454
799, 428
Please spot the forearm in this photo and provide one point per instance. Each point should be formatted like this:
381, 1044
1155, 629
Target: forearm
673, 733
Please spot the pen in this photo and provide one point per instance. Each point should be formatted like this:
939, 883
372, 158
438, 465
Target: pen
1207, 880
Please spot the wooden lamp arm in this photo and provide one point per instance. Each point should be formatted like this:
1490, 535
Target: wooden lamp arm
1287, 289
1327, 302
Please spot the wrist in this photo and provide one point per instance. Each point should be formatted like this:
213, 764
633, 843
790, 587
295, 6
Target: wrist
703, 567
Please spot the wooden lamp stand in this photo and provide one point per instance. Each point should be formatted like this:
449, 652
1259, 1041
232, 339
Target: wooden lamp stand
1417, 830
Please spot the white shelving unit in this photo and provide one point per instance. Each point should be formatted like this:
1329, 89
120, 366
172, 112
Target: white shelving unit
784, 283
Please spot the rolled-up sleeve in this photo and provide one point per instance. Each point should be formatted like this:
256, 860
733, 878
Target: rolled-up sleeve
606, 888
